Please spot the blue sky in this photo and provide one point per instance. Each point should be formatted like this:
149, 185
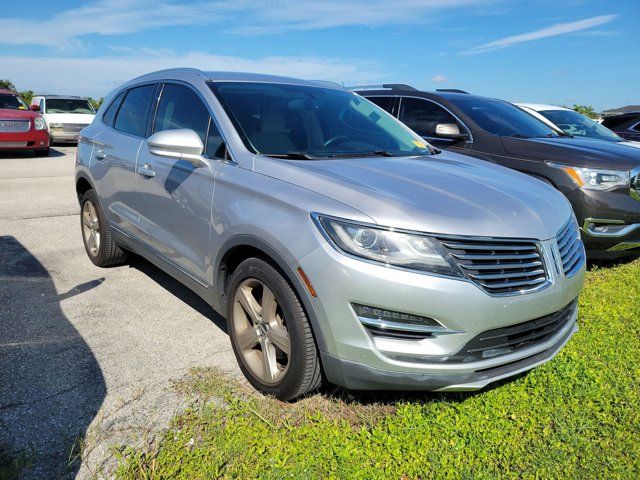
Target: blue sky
563, 52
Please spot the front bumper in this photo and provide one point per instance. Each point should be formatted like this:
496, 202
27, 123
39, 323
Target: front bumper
67, 133
30, 140
609, 222
355, 358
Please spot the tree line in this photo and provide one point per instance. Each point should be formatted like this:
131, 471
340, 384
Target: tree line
27, 95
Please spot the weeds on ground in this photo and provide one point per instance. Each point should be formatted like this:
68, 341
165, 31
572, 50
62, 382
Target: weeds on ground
576, 416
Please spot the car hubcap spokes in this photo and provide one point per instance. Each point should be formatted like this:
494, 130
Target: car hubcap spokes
261, 331
91, 228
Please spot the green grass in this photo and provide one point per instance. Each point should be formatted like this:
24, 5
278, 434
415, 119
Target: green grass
577, 416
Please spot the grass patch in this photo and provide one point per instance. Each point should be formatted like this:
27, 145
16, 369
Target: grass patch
577, 416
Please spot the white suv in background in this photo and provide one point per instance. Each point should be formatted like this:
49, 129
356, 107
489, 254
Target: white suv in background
65, 115
573, 123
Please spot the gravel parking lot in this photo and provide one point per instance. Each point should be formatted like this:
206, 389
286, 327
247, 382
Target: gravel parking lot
88, 355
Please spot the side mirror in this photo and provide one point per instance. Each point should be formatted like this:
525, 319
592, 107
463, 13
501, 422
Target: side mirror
181, 144
449, 130
35, 108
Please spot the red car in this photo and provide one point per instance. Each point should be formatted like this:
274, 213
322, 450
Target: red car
22, 128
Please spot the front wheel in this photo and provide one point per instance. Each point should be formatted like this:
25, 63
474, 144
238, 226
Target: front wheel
270, 332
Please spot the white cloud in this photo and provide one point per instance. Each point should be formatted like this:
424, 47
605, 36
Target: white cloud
96, 76
552, 31
439, 78
117, 17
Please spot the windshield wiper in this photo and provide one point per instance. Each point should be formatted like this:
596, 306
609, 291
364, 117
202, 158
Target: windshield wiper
517, 135
291, 156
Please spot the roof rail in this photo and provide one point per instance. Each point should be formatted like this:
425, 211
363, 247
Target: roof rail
451, 90
392, 86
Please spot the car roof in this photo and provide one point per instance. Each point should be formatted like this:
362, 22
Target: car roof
412, 92
541, 107
187, 74
69, 97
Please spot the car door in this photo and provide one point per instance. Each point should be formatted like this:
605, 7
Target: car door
115, 153
176, 196
423, 116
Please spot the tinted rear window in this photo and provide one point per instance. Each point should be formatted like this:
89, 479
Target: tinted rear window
134, 112
110, 115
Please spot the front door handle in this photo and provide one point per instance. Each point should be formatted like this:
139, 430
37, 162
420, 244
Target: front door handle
146, 171
100, 155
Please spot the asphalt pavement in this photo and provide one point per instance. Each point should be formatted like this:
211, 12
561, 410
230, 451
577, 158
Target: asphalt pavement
87, 355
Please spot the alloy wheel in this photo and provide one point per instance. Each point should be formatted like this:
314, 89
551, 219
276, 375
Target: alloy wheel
91, 228
260, 331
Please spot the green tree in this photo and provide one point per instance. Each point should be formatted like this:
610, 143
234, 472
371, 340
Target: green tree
26, 95
96, 103
586, 110
7, 84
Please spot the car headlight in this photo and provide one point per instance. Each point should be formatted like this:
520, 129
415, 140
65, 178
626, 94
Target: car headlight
388, 246
39, 123
596, 178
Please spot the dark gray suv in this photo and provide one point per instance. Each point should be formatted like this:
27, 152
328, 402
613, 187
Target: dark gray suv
600, 179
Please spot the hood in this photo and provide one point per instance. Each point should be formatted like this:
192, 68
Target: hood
629, 143
580, 152
12, 114
83, 118
444, 194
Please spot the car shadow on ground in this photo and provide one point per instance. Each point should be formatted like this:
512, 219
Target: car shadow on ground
51, 385
29, 154
178, 290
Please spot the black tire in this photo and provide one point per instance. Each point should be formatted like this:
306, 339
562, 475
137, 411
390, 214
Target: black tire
303, 373
108, 253
42, 152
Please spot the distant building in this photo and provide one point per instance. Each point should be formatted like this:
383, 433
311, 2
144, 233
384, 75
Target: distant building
618, 111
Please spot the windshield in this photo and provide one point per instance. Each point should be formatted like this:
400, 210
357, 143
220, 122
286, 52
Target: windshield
576, 124
13, 102
502, 118
69, 105
302, 121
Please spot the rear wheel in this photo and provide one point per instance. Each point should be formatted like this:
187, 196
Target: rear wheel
270, 332
96, 234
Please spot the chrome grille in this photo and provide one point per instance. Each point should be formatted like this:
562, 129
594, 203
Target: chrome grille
499, 266
14, 126
571, 250
69, 127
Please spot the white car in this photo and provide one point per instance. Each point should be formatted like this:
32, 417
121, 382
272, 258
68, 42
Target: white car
65, 115
573, 123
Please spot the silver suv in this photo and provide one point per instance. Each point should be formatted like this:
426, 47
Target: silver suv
336, 242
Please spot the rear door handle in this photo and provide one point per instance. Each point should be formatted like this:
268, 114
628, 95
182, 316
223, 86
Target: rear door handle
146, 171
100, 155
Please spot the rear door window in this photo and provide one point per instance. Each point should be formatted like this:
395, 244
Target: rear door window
383, 102
133, 115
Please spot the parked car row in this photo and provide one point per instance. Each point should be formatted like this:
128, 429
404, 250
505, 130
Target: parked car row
600, 178
339, 244
49, 118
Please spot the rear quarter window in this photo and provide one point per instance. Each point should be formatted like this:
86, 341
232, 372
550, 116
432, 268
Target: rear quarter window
110, 114
133, 114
